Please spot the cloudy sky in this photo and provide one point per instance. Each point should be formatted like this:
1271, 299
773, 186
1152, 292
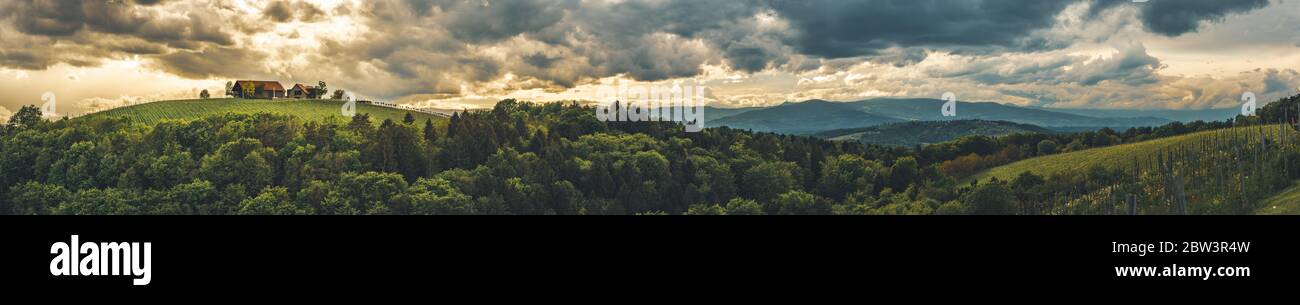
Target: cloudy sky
1167, 54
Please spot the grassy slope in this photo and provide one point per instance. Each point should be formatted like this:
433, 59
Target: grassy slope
928, 132
150, 113
1286, 202
1114, 156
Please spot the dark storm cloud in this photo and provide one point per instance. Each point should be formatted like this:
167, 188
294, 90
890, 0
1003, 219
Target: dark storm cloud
1173, 18
567, 42
840, 28
285, 11
446, 46
556, 43
23, 59
86, 31
211, 61
1276, 81
539, 60
476, 23
278, 11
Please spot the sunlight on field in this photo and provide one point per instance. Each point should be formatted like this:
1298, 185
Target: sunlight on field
314, 110
1285, 203
1119, 156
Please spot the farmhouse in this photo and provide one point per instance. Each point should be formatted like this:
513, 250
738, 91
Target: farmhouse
303, 91
257, 89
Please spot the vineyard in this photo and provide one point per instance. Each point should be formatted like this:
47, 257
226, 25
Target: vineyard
1226, 171
1082, 160
151, 113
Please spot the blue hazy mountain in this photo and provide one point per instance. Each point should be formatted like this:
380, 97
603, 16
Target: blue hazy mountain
928, 110
816, 116
714, 113
802, 118
1176, 115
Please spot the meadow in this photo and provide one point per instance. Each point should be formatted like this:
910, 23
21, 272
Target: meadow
1114, 157
309, 109
1286, 202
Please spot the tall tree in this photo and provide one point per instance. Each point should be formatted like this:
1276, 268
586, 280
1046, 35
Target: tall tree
430, 135
991, 199
27, 117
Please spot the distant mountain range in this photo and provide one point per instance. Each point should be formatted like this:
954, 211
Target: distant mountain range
928, 132
1207, 115
802, 118
817, 116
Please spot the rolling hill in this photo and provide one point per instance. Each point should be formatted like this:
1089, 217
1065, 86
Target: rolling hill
928, 110
816, 116
928, 132
803, 118
1286, 202
1176, 115
150, 113
714, 113
1119, 156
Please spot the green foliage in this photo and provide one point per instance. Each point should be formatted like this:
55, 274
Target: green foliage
1119, 156
272, 201
29, 116
991, 199
845, 174
903, 172
913, 133
741, 206
523, 158
799, 203
1046, 147
769, 179
706, 209
306, 109
953, 208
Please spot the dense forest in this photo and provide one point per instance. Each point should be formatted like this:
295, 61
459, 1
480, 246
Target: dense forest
525, 158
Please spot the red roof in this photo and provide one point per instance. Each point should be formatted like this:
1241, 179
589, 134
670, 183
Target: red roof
265, 85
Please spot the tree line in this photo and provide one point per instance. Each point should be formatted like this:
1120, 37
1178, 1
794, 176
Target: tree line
517, 158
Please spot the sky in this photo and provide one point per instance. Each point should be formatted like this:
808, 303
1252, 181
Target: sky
1111, 54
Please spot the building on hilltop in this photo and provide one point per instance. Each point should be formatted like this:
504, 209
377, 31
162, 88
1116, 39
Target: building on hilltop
303, 91
257, 89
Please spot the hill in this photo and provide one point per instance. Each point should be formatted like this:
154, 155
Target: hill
1286, 202
1119, 156
315, 110
817, 116
714, 113
928, 110
1207, 115
928, 132
803, 118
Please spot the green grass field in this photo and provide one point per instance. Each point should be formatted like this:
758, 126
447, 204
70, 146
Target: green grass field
1286, 202
314, 110
1119, 156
